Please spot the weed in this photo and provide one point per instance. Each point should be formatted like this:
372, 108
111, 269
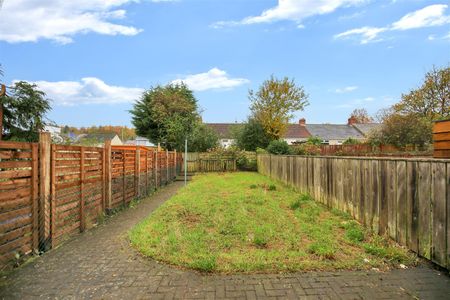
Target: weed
272, 187
355, 234
323, 249
261, 237
253, 186
205, 263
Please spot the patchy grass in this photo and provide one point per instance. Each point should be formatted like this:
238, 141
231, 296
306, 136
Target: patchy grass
245, 222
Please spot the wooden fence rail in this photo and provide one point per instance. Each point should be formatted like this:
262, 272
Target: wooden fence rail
51, 192
406, 199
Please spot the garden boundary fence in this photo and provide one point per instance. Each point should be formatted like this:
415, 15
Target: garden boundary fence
50, 192
370, 150
207, 162
407, 199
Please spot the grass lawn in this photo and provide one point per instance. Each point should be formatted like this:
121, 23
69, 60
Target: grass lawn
246, 222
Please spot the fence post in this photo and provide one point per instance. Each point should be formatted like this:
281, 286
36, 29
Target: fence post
175, 164
167, 166
44, 190
108, 188
82, 175
124, 180
156, 168
35, 194
137, 172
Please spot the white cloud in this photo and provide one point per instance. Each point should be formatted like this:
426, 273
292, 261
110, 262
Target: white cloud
89, 90
429, 16
60, 20
292, 10
346, 89
213, 79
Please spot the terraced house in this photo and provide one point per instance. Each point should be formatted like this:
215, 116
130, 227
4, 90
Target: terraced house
297, 133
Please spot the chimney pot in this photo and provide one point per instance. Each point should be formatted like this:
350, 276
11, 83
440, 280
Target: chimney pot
352, 120
302, 122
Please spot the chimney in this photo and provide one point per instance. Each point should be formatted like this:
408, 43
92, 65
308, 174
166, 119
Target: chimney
302, 122
352, 120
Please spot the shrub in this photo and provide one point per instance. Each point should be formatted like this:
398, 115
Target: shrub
279, 147
272, 187
306, 149
351, 141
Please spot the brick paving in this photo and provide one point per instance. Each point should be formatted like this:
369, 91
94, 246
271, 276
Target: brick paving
100, 264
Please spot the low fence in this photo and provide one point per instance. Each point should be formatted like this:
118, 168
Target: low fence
406, 199
51, 192
207, 162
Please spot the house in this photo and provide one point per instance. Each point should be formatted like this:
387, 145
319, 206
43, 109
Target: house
296, 133
336, 134
99, 139
55, 133
140, 141
331, 134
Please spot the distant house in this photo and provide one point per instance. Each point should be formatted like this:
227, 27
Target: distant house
140, 141
296, 133
55, 133
99, 139
336, 134
331, 134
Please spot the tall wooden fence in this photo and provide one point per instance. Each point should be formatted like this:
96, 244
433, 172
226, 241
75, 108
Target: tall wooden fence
406, 199
51, 192
207, 162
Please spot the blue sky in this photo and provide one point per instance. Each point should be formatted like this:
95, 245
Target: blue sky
94, 57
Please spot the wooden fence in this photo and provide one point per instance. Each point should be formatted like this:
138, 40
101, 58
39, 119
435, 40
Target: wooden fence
441, 139
406, 199
206, 162
51, 192
369, 150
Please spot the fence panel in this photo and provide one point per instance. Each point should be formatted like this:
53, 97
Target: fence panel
405, 198
77, 189
51, 192
18, 200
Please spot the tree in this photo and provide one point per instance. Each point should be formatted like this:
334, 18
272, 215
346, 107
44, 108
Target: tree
403, 129
431, 100
24, 112
274, 103
278, 147
166, 114
202, 139
361, 116
251, 136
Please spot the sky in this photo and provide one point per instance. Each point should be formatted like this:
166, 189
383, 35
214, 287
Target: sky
94, 58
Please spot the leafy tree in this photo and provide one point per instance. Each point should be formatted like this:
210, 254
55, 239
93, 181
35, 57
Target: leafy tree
166, 114
274, 103
251, 136
278, 147
24, 112
361, 116
431, 100
202, 139
403, 129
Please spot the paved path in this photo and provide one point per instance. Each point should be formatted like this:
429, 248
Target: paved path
100, 264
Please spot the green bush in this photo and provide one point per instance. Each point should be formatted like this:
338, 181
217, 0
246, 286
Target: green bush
306, 149
279, 147
351, 141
